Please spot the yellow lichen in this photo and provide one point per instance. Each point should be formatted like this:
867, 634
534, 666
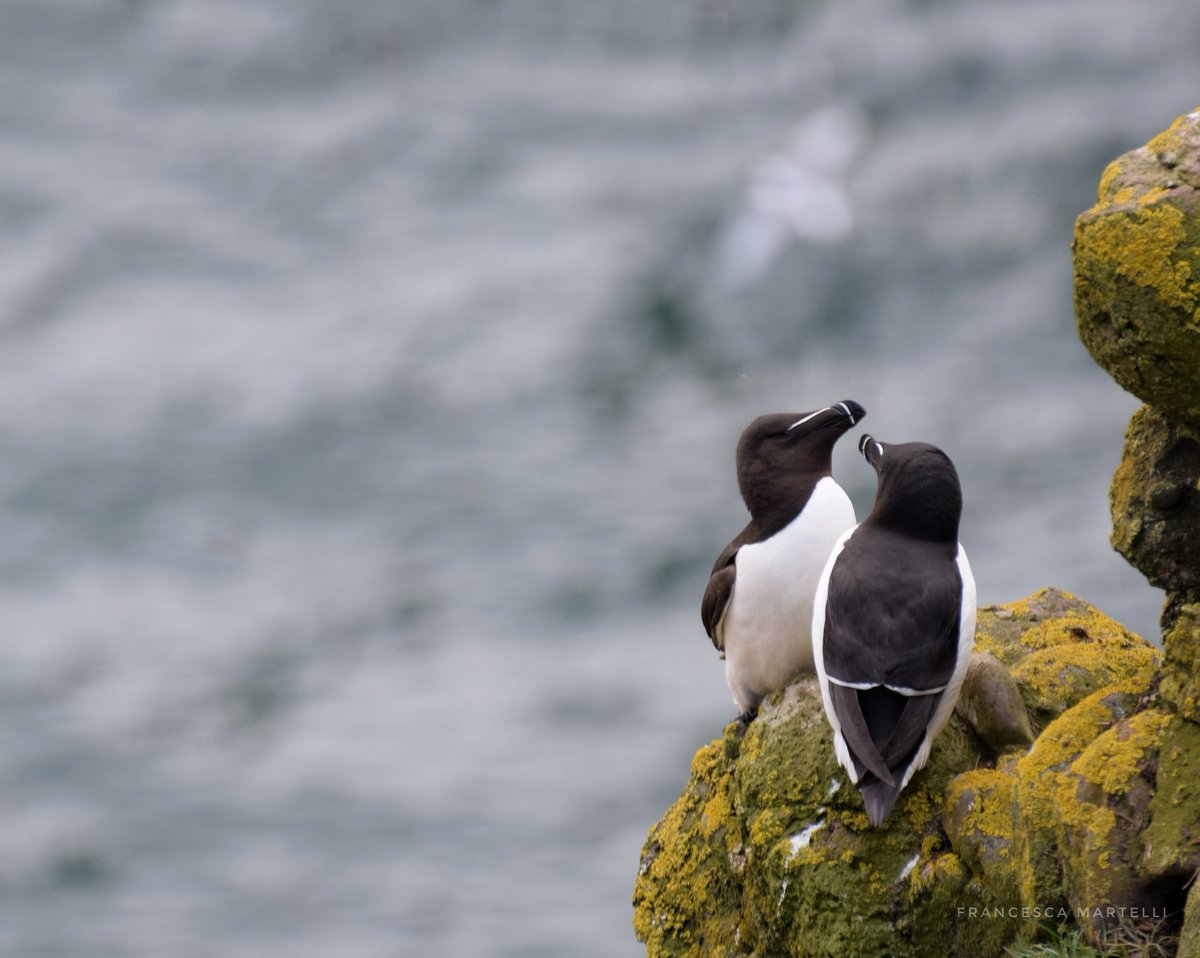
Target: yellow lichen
1137, 272
768, 832
1152, 195
1139, 245
1041, 775
706, 757
1107, 178
1113, 757
765, 829
1100, 800
855, 820
1181, 669
1087, 821
1045, 620
989, 793
1071, 732
946, 871
1064, 673
1172, 840
805, 857
979, 821
1073, 628
1170, 140
683, 897
716, 811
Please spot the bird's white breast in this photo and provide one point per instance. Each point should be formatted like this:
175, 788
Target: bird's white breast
767, 627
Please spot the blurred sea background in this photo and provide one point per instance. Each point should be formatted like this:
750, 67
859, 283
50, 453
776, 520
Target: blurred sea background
370, 379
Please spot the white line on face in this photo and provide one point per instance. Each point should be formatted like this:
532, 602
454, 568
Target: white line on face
801, 422
846, 409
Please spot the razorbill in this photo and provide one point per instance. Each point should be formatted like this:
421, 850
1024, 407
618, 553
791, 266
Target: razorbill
894, 622
757, 608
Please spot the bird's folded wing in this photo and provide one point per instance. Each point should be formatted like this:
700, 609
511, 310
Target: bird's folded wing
892, 624
716, 598
719, 590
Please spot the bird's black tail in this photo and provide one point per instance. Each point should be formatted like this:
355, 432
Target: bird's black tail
879, 796
879, 799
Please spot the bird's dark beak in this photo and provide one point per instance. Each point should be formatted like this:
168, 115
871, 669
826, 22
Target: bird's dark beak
840, 416
872, 450
852, 411
843, 415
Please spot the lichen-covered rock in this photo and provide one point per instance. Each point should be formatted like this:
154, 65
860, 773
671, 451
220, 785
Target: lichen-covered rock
1180, 686
1060, 649
980, 822
1172, 839
1042, 775
1119, 773
1189, 936
991, 703
1155, 501
1137, 271
1102, 808
691, 862
768, 851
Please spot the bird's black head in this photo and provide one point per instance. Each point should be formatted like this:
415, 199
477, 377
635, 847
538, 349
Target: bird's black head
918, 492
781, 453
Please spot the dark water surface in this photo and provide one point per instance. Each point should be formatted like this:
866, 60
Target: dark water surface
370, 379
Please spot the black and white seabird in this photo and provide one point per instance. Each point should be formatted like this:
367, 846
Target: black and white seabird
757, 608
894, 622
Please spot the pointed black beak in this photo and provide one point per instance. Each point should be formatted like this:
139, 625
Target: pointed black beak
852, 411
872, 450
844, 415
840, 417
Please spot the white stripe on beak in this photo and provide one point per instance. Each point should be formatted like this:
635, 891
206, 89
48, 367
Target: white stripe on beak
801, 422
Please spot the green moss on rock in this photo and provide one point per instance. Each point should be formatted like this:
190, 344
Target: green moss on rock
991, 703
1155, 502
1189, 936
1041, 776
1180, 687
821, 880
980, 822
688, 892
768, 850
1172, 839
1102, 808
1137, 271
